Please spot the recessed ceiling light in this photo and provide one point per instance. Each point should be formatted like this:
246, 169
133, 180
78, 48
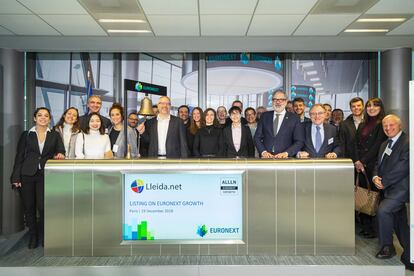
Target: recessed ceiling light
317, 84
315, 79
319, 88
121, 21
312, 73
366, 30
129, 31
381, 19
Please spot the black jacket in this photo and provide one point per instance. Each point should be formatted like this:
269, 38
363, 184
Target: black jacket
176, 144
28, 156
208, 141
330, 141
347, 133
246, 144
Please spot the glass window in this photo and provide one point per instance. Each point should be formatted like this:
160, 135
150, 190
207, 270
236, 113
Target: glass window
242, 76
333, 78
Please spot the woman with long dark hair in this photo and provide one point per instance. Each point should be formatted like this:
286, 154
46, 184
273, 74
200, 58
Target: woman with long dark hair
368, 139
208, 139
117, 135
68, 127
93, 143
197, 122
35, 147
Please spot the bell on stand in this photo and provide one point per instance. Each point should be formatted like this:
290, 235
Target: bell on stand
145, 110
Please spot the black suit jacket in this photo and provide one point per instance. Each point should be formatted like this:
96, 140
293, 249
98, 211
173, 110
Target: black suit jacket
246, 144
347, 133
28, 156
367, 151
395, 169
330, 141
176, 143
290, 137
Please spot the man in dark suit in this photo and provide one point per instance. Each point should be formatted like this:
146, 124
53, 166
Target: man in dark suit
347, 128
299, 108
94, 105
391, 176
165, 134
321, 139
279, 133
184, 114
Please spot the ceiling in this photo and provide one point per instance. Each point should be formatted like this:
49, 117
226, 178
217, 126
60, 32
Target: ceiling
204, 25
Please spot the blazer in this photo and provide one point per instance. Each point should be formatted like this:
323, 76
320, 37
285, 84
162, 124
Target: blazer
28, 156
176, 143
120, 142
347, 132
290, 137
84, 119
395, 169
70, 154
330, 141
246, 144
208, 142
367, 151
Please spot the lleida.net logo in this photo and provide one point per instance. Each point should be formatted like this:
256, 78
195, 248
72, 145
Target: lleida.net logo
202, 230
137, 186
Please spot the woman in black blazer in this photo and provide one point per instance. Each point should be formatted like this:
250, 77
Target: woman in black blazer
368, 139
35, 147
237, 138
208, 139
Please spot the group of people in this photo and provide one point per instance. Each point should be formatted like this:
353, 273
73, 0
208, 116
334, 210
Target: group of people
375, 142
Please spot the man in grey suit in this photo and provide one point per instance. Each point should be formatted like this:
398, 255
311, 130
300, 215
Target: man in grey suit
165, 134
391, 176
321, 139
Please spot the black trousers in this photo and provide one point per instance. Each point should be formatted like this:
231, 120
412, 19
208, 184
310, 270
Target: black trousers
32, 193
392, 216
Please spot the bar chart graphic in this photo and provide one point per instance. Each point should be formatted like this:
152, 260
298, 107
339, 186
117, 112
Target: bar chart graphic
137, 232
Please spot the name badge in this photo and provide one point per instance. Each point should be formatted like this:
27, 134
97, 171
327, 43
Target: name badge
330, 141
106, 131
388, 151
115, 148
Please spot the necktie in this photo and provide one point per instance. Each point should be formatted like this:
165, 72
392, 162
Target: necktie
318, 139
275, 124
384, 155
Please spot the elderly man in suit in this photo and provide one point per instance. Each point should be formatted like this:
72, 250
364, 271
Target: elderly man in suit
279, 133
391, 176
321, 139
165, 134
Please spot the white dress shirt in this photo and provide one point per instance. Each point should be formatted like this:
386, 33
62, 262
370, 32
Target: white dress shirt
162, 128
282, 115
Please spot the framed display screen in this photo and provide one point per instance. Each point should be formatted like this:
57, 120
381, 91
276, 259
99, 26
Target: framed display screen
183, 207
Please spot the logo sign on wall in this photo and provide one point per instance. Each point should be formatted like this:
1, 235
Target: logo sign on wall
307, 93
175, 207
144, 87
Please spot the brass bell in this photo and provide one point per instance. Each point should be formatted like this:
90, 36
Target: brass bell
146, 107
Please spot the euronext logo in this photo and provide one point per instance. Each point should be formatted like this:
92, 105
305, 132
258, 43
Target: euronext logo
138, 86
202, 230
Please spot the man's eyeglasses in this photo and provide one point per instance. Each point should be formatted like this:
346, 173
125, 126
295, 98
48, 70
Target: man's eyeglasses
279, 100
317, 113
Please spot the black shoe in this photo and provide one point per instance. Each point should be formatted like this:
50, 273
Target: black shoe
386, 252
408, 265
32, 242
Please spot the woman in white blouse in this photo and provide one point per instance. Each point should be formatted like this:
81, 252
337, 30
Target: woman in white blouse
68, 128
94, 143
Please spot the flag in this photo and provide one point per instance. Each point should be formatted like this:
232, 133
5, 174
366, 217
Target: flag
88, 85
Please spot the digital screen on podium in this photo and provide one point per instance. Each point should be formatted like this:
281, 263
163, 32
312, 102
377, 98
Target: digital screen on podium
183, 207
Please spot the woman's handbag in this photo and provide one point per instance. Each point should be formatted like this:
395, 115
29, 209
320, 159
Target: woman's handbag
366, 200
